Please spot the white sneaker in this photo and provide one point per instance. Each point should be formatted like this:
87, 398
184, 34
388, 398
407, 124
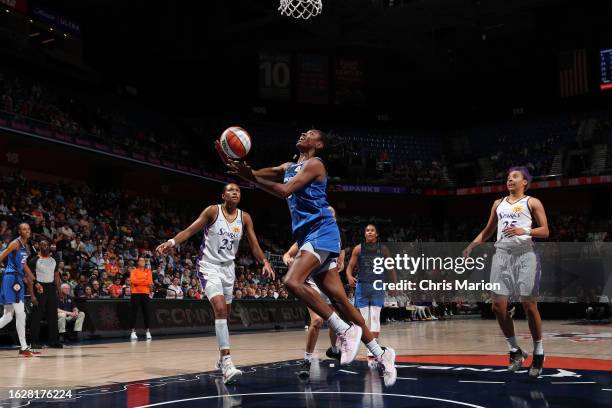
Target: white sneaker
133, 336
386, 363
149, 335
348, 343
230, 373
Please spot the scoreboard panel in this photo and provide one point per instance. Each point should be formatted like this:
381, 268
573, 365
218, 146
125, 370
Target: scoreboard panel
605, 57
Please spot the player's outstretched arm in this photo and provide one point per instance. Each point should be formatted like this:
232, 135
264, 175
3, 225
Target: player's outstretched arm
205, 218
267, 269
312, 170
486, 233
352, 265
272, 173
269, 173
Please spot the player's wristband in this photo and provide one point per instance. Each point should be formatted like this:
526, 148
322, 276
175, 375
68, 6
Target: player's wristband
527, 230
172, 242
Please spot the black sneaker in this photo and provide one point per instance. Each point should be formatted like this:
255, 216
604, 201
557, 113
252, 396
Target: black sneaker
303, 371
56, 345
330, 353
536, 366
516, 359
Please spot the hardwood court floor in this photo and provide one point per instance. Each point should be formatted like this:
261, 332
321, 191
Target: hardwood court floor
109, 363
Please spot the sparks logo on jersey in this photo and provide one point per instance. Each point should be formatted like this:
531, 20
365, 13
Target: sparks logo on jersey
517, 209
513, 215
236, 229
231, 235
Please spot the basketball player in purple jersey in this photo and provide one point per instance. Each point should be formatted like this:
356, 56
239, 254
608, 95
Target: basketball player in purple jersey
223, 227
515, 265
303, 185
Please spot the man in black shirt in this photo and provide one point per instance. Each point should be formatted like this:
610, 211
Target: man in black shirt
43, 266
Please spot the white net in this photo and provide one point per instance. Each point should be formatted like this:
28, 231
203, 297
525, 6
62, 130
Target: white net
303, 9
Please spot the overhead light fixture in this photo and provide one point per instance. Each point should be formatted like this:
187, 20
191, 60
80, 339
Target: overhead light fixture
7, 10
31, 21
50, 28
36, 34
65, 35
48, 41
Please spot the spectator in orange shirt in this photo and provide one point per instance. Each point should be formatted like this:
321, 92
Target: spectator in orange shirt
141, 279
111, 266
116, 289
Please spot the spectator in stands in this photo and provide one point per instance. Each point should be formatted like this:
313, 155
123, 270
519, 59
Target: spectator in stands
79, 289
193, 293
68, 312
89, 294
116, 289
174, 291
111, 267
77, 245
95, 288
250, 294
238, 294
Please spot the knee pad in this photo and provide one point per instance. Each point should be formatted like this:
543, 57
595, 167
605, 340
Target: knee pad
375, 318
365, 312
222, 333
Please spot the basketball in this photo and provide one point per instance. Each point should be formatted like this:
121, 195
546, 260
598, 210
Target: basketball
235, 142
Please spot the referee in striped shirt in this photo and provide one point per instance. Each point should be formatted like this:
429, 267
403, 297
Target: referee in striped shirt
44, 268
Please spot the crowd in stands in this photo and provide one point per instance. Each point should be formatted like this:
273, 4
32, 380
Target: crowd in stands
357, 156
26, 99
373, 157
98, 236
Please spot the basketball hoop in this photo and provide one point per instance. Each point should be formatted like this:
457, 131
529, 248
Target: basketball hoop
303, 9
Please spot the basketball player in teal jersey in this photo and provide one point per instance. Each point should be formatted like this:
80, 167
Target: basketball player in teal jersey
303, 185
515, 265
315, 320
14, 280
368, 300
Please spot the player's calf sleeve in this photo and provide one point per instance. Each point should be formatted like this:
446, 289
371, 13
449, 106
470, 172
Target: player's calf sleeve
222, 333
7, 317
365, 313
375, 319
20, 323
